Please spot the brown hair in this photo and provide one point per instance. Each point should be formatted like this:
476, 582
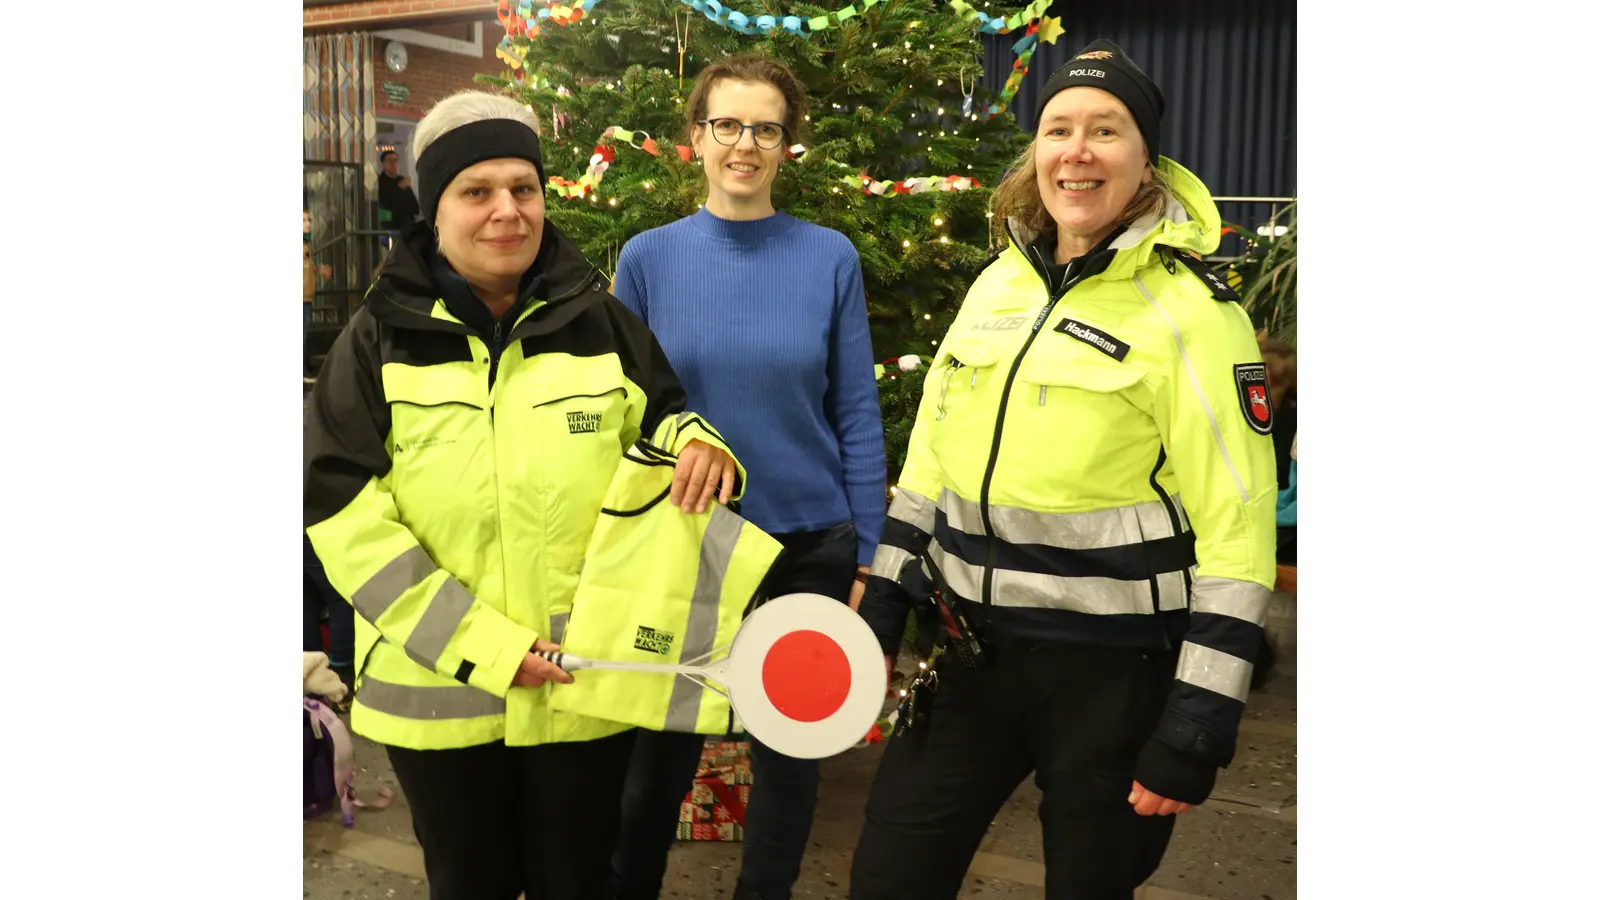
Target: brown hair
748, 67
1017, 196
1282, 368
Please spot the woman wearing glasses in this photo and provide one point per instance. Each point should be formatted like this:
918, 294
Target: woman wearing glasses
750, 302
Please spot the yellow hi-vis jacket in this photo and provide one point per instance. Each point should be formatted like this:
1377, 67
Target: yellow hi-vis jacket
452, 484
1091, 463
658, 586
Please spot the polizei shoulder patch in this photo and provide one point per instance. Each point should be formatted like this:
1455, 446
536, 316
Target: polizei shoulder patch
1254, 398
1219, 289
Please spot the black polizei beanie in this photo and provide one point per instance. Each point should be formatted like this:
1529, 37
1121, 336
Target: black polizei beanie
468, 145
1103, 65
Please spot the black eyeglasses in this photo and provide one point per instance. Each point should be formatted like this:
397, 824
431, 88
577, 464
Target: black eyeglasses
768, 135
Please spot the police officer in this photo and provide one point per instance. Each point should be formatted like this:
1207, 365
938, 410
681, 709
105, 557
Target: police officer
459, 445
1091, 478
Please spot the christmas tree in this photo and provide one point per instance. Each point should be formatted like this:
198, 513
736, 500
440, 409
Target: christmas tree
899, 151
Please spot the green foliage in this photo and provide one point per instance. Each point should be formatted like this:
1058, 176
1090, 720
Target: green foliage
874, 110
1267, 273
899, 393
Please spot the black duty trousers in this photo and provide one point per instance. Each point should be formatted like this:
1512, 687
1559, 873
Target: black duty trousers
1075, 717
497, 821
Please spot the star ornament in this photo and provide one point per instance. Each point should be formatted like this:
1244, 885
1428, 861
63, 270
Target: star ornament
1050, 29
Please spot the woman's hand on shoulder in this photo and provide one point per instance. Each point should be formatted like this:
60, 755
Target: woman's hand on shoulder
701, 469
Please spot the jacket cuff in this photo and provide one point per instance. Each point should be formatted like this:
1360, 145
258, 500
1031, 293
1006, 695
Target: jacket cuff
495, 676
691, 427
883, 615
1174, 774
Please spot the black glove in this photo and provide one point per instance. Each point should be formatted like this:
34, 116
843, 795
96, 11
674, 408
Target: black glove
1174, 774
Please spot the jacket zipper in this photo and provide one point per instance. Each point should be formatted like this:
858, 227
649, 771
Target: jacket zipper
1177, 529
949, 370
494, 362
497, 346
1052, 298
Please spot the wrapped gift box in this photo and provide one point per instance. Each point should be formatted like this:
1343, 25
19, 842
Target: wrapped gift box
713, 809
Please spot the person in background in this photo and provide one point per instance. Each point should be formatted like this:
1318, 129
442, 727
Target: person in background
308, 282
1282, 383
397, 205
320, 598
1091, 479
750, 302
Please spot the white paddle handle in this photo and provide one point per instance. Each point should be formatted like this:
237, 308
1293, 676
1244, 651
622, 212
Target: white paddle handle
568, 663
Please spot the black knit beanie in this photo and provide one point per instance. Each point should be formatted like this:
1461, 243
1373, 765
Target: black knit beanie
1103, 65
466, 146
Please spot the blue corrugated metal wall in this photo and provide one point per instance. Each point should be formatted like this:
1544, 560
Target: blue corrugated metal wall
1227, 68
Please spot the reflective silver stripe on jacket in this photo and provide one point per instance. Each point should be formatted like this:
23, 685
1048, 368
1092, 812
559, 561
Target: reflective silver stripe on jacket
1095, 596
428, 703
1231, 597
402, 573
888, 561
913, 509
1092, 530
439, 622
558, 626
700, 633
440, 619
1214, 670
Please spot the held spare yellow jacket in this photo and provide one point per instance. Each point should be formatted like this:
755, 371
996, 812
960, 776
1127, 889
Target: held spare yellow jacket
452, 484
658, 586
1091, 463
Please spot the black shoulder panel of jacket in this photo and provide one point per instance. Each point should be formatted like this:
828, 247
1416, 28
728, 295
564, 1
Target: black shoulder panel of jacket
347, 420
1219, 288
595, 323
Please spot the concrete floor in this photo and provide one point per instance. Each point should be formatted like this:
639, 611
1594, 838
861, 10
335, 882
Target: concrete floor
1239, 846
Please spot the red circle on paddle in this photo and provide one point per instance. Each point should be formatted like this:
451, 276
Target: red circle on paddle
806, 676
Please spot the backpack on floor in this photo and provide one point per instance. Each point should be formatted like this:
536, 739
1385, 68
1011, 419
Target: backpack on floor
330, 769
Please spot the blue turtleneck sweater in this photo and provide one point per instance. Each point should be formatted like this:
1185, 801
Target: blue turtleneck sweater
765, 323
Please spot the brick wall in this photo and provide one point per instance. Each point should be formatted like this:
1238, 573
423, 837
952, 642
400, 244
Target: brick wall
433, 74
365, 16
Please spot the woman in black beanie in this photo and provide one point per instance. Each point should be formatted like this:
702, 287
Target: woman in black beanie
1091, 484
460, 440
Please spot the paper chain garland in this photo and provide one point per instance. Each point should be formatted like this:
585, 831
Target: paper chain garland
1049, 30
765, 25
605, 154
524, 22
601, 161
911, 185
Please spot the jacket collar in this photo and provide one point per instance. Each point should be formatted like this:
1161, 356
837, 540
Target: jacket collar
1189, 224
414, 288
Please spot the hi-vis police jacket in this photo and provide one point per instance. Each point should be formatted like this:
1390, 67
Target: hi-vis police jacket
451, 487
1090, 463
658, 586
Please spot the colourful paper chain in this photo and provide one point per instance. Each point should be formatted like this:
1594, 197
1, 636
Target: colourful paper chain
911, 185
765, 25
996, 25
1030, 17
524, 22
601, 161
